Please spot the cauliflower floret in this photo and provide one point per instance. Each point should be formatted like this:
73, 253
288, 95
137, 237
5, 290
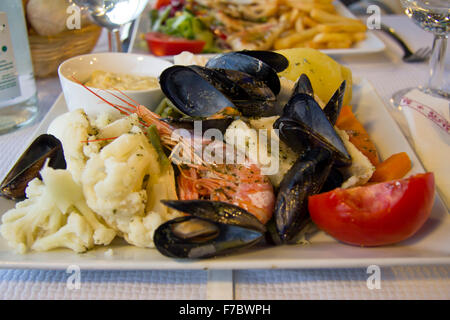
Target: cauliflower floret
118, 127
111, 187
75, 235
103, 119
40, 222
142, 229
113, 179
124, 184
361, 169
72, 129
32, 218
67, 194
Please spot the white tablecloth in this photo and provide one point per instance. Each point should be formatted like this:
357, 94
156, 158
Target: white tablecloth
388, 74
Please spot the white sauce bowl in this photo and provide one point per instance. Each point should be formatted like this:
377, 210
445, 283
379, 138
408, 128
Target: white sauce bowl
81, 68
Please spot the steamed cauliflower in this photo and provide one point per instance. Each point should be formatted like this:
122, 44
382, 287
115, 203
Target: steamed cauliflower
123, 184
53, 215
113, 184
71, 129
113, 180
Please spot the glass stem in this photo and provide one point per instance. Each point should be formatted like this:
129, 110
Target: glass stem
437, 62
114, 43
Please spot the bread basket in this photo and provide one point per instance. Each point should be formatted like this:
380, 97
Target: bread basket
48, 52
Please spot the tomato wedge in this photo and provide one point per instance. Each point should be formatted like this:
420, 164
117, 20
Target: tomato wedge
161, 44
377, 214
161, 3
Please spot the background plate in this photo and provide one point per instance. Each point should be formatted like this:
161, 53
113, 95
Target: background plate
371, 44
428, 246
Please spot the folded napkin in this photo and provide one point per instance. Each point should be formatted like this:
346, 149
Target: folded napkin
428, 121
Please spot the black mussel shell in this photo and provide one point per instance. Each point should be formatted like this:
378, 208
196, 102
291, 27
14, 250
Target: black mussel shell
252, 97
217, 211
303, 113
222, 82
295, 137
212, 229
248, 64
30, 163
277, 61
305, 178
334, 180
334, 106
188, 123
303, 85
255, 89
192, 94
260, 100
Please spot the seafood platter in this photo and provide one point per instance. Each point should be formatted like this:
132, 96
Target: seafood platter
252, 159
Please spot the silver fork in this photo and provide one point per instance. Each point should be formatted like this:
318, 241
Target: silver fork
421, 55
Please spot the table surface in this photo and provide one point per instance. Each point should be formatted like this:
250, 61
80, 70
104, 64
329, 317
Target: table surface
388, 74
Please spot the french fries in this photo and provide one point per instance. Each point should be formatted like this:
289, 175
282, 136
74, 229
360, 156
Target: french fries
315, 24
292, 40
293, 24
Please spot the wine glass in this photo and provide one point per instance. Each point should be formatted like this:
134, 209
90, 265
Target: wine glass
432, 16
112, 14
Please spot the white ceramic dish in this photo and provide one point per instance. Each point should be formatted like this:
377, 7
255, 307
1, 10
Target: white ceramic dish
371, 44
429, 246
81, 68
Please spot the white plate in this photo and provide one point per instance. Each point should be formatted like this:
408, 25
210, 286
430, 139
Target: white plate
429, 246
371, 44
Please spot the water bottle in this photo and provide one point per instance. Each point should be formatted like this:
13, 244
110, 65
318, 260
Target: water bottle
18, 99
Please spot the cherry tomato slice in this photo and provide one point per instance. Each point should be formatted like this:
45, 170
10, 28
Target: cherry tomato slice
161, 3
377, 214
161, 44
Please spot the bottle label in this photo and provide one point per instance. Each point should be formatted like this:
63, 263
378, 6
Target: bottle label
9, 81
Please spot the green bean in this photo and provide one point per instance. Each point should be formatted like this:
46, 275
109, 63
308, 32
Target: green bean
153, 137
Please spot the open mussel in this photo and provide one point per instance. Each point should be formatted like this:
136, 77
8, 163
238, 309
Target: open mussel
191, 94
334, 105
252, 97
212, 228
303, 85
277, 61
304, 124
30, 163
202, 92
258, 66
306, 177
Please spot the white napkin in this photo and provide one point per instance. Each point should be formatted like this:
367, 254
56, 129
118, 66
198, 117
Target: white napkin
428, 119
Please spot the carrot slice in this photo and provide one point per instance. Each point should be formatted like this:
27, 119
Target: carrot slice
394, 167
357, 134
